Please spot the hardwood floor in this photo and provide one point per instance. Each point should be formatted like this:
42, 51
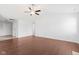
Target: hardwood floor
37, 46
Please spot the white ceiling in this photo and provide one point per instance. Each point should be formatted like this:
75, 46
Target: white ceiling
16, 11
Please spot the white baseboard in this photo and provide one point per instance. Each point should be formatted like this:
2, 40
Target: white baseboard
70, 40
44, 37
24, 36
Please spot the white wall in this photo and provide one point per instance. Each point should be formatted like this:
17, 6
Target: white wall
15, 28
24, 27
78, 26
61, 26
5, 28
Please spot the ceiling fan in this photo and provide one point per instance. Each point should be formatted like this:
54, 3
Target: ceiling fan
32, 10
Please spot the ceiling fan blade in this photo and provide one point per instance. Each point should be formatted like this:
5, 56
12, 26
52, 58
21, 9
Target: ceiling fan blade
38, 11
30, 8
30, 14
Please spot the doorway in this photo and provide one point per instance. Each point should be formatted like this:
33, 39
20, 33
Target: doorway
7, 30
